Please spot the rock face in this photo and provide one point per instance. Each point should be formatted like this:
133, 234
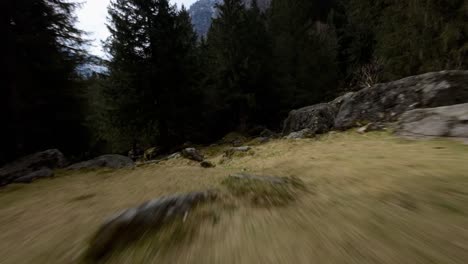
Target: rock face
105, 161
203, 11
152, 215
447, 121
386, 102
192, 154
382, 103
28, 165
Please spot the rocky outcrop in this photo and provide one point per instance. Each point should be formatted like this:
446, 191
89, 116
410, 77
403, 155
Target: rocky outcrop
388, 101
203, 11
27, 166
134, 222
447, 121
110, 161
381, 103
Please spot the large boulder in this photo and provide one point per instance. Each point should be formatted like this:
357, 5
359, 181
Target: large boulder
388, 101
27, 165
447, 121
106, 161
135, 222
317, 118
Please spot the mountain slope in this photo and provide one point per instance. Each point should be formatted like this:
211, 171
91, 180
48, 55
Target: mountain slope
203, 11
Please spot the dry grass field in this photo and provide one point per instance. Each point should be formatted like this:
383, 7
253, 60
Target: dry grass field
369, 198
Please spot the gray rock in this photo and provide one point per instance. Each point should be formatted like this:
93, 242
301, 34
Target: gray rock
338, 102
305, 133
132, 223
52, 158
111, 161
192, 154
317, 119
446, 121
386, 102
42, 173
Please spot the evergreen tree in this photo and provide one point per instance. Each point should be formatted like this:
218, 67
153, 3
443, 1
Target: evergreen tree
418, 36
40, 107
305, 52
151, 72
239, 49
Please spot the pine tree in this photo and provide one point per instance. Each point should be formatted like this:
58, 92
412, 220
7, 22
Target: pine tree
152, 72
418, 36
304, 52
40, 103
239, 45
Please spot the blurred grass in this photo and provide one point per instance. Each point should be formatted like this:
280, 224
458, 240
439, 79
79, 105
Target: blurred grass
371, 198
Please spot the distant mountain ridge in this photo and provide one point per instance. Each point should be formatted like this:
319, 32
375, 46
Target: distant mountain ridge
202, 13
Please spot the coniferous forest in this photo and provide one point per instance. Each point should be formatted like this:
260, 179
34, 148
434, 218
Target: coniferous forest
165, 86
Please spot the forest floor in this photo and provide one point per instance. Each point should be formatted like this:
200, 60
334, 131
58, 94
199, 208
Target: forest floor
370, 198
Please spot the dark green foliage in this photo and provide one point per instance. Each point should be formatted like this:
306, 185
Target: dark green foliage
39, 106
240, 72
434, 36
305, 49
152, 72
408, 37
167, 86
